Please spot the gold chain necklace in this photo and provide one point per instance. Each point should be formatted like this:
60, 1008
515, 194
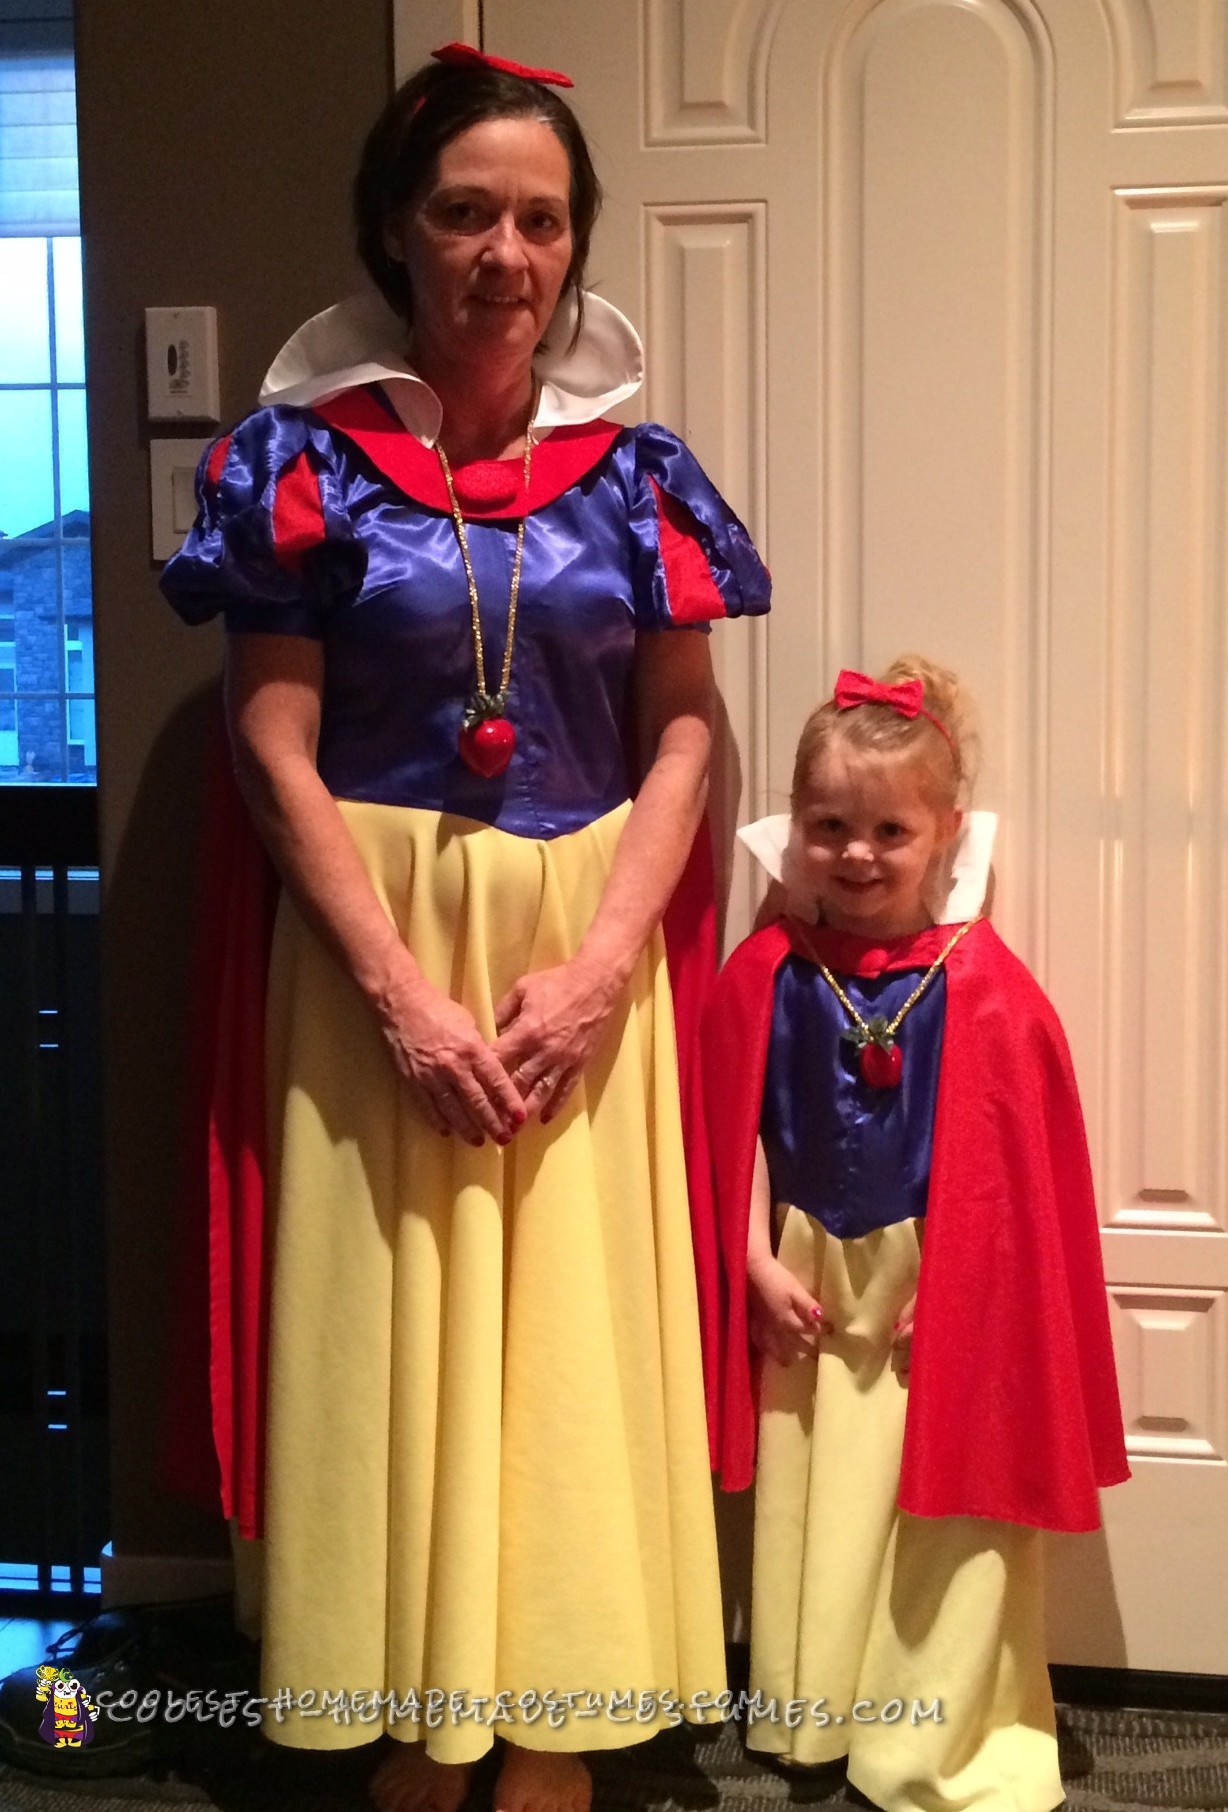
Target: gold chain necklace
487, 739
881, 1062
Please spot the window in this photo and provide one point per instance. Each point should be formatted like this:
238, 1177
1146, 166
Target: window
53, 1505
46, 624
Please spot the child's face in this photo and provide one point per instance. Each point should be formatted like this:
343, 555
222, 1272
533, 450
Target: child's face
865, 838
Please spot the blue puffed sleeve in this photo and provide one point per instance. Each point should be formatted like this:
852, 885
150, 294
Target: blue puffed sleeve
694, 561
273, 547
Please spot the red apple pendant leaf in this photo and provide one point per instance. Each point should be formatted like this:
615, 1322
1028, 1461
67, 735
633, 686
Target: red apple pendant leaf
881, 1065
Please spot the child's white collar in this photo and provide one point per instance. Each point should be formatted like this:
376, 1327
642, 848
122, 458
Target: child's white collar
959, 888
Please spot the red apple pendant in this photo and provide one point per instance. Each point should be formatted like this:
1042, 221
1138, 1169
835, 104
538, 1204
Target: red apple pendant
881, 1065
486, 747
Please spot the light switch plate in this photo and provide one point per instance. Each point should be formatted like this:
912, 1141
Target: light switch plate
172, 492
181, 364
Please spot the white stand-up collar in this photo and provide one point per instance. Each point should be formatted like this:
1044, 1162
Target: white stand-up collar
361, 341
958, 890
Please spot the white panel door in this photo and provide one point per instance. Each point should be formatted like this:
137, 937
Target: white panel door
937, 289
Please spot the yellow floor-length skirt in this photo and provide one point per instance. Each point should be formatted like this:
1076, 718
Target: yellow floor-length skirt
488, 1481
863, 1617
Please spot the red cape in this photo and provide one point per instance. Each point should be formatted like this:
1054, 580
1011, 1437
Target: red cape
1013, 1410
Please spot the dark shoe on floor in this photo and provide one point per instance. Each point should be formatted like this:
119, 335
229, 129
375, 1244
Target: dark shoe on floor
55, 1719
123, 1680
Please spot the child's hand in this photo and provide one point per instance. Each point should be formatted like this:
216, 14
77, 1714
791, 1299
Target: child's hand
901, 1346
785, 1320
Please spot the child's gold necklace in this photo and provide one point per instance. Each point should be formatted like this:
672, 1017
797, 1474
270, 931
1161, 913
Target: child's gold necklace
881, 1062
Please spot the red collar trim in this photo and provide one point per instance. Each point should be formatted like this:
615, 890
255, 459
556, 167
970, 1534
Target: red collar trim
849, 954
488, 490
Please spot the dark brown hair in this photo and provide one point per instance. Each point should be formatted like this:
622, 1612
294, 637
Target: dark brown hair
426, 113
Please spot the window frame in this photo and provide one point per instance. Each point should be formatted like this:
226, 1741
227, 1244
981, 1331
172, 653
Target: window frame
59, 745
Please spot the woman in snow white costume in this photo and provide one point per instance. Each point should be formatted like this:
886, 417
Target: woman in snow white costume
917, 1332
455, 596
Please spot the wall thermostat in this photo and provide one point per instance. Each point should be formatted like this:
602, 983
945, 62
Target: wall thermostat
181, 364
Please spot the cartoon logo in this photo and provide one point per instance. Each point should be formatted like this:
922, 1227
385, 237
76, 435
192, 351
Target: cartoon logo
68, 1722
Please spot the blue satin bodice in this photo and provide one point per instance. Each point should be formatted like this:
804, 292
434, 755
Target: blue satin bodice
385, 592
854, 1157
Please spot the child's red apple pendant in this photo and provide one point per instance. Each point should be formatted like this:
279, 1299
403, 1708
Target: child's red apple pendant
881, 1063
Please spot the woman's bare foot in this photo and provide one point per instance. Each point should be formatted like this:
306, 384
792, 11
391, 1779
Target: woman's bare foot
409, 1781
538, 1780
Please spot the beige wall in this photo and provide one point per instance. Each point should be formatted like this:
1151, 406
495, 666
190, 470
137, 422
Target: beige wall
217, 145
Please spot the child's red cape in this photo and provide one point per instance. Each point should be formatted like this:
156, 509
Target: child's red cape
1013, 1410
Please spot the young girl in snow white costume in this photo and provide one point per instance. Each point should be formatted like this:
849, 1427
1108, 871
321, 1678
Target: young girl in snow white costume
880, 1084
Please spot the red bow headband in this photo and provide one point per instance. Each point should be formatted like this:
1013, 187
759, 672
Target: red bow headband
904, 698
466, 56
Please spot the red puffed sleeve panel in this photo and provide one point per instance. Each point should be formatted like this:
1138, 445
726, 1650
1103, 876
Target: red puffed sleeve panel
273, 548
694, 561
690, 588
298, 514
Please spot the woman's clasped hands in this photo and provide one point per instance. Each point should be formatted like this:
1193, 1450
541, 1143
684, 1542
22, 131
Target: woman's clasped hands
549, 1025
547, 1028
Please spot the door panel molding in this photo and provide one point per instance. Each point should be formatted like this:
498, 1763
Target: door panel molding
705, 70
1166, 803
1170, 61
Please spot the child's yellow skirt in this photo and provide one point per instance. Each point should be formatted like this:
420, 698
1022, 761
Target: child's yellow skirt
915, 1647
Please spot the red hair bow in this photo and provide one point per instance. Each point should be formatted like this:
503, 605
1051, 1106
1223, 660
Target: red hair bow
466, 55
854, 689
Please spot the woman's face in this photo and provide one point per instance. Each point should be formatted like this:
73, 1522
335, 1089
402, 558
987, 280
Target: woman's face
488, 245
